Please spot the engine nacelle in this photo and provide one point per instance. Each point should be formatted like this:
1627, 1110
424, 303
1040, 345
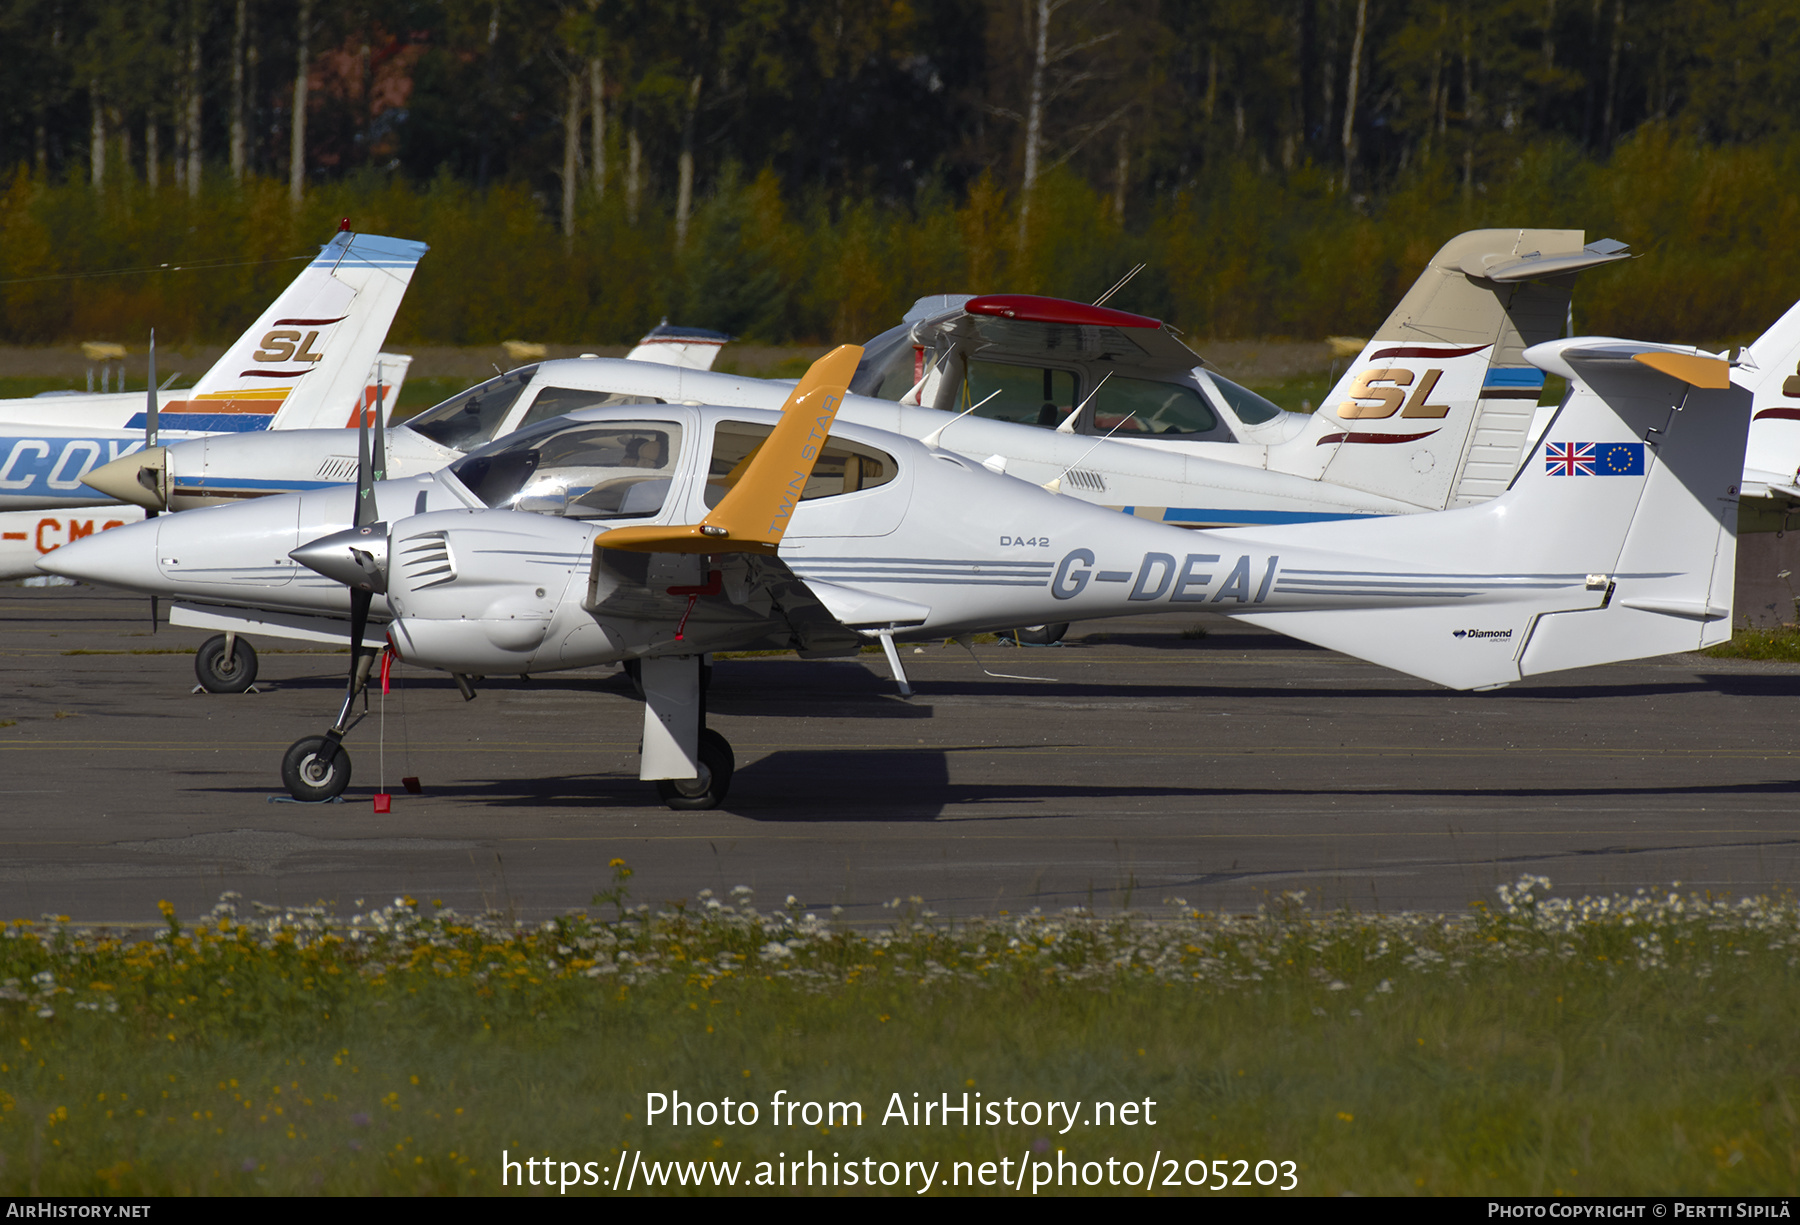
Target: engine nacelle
476, 644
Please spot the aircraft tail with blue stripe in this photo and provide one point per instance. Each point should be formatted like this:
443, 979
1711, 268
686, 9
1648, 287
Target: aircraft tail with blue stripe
1436, 409
305, 361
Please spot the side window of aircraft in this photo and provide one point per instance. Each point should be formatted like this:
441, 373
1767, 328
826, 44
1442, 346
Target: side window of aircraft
555, 401
1140, 406
1250, 408
1029, 395
469, 418
842, 467
579, 470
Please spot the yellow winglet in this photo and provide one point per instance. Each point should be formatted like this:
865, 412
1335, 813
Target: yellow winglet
754, 515
1690, 368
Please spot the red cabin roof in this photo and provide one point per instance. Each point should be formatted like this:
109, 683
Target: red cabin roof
1033, 309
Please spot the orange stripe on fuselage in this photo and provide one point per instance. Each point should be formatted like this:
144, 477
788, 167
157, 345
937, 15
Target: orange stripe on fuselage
248, 400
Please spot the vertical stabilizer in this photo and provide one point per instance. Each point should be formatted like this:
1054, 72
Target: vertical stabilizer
1437, 408
305, 362
1616, 540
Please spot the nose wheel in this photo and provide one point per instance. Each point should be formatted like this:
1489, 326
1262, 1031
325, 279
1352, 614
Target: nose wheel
225, 663
315, 768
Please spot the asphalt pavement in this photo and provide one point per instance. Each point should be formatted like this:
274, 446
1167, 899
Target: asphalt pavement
1145, 760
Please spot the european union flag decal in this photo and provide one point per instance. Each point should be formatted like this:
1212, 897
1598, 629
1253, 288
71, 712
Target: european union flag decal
1619, 459
1594, 458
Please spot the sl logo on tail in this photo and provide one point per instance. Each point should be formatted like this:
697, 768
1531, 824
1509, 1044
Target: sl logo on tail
1391, 397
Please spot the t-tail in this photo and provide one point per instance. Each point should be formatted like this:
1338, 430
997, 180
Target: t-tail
305, 362
1616, 540
1436, 410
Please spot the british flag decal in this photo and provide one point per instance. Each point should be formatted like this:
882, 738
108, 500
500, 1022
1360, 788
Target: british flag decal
1594, 458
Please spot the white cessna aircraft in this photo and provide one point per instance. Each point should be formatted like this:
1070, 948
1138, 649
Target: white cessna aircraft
311, 359
1446, 368
669, 531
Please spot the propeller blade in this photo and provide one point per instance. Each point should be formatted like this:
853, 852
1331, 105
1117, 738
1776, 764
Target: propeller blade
365, 481
380, 460
150, 405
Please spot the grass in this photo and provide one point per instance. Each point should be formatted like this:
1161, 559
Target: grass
1623, 1045
1778, 643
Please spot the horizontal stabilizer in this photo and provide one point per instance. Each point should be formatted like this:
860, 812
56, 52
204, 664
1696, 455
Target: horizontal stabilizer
1604, 355
1537, 266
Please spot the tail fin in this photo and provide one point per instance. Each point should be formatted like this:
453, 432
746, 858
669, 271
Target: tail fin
1770, 368
1616, 541
382, 390
1436, 409
690, 348
303, 363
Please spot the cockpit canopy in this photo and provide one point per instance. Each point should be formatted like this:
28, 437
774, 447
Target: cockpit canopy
472, 418
625, 468
577, 469
1034, 361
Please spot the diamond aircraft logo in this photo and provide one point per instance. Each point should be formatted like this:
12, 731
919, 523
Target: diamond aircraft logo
1481, 634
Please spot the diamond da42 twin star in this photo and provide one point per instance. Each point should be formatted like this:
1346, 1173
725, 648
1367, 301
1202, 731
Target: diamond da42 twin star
669, 531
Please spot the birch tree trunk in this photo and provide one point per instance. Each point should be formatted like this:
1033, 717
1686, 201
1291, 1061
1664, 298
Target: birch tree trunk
96, 137
634, 163
1350, 85
237, 91
193, 103
684, 187
571, 155
152, 154
297, 135
1034, 113
597, 92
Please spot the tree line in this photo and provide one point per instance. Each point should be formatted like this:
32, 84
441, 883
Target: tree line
802, 170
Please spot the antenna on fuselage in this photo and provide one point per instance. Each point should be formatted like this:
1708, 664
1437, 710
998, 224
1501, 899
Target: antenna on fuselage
1068, 422
936, 437
1054, 484
1123, 281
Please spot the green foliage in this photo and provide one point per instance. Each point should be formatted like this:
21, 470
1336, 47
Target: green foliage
1781, 642
1246, 254
1610, 1045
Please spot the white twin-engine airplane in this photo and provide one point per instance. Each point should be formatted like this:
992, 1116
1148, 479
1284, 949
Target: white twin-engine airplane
670, 531
312, 359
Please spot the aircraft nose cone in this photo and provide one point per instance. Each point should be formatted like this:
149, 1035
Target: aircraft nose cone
141, 478
118, 557
356, 558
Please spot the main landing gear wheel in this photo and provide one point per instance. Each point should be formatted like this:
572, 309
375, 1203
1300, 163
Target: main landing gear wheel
1041, 635
717, 764
218, 672
315, 768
